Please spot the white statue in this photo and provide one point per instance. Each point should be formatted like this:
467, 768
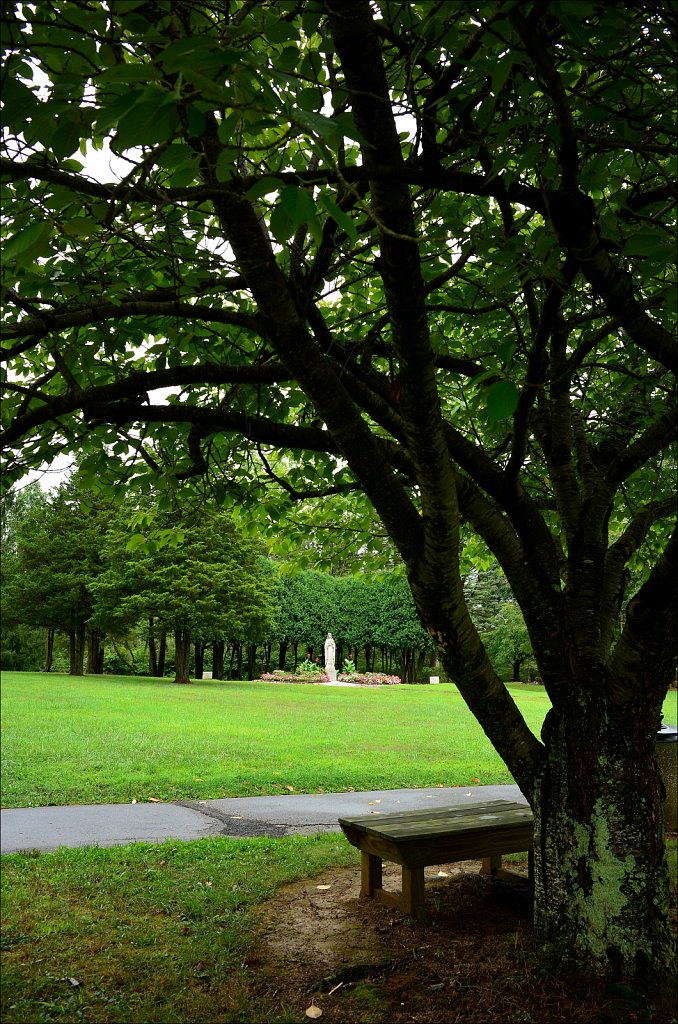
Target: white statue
330, 649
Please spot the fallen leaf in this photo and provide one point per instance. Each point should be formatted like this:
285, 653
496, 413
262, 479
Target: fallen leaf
475, 780
323, 887
133, 801
74, 982
370, 803
314, 1011
291, 788
154, 800
443, 874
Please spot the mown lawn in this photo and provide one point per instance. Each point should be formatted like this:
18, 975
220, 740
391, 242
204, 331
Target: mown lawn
162, 932
145, 933
116, 739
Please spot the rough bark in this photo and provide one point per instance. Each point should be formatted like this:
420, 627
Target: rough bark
76, 649
199, 649
182, 655
95, 652
601, 881
152, 650
218, 648
49, 649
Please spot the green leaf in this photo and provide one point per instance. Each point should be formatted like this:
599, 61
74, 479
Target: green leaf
79, 227
201, 53
282, 227
147, 124
264, 187
109, 115
298, 204
647, 242
26, 245
501, 399
135, 543
339, 216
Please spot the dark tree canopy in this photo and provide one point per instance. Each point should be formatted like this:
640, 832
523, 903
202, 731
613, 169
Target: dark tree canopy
420, 252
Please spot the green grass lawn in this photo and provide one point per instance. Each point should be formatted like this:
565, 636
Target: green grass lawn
162, 932
146, 933
115, 739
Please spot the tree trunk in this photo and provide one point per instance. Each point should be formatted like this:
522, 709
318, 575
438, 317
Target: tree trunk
218, 648
76, 649
95, 652
420, 662
152, 650
162, 653
49, 649
282, 654
406, 665
601, 882
199, 649
516, 670
182, 655
237, 655
251, 661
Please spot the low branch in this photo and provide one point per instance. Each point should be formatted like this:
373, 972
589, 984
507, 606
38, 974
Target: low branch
137, 383
48, 322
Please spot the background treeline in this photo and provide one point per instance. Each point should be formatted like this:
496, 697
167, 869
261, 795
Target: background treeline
94, 586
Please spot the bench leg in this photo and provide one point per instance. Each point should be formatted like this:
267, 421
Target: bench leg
370, 873
491, 865
412, 891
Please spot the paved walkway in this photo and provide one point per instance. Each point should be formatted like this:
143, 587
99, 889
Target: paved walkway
47, 828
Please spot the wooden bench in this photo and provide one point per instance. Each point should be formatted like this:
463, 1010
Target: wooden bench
418, 839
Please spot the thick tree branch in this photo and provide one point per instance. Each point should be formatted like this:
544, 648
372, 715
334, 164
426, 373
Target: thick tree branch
617, 558
573, 216
49, 322
359, 51
136, 383
642, 662
631, 457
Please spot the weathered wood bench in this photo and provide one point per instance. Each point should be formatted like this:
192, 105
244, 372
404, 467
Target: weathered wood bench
419, 839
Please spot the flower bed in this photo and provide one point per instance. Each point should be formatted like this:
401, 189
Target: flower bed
357, 678
289, 677
368, 678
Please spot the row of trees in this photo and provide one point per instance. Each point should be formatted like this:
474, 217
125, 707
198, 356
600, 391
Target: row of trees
74, 565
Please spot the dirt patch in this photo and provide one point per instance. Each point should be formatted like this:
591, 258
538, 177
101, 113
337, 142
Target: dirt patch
473, 962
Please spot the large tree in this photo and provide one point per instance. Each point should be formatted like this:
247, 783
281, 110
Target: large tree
417, 251
49, 572
208, 583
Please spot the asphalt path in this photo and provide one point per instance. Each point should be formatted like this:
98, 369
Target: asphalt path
48, 828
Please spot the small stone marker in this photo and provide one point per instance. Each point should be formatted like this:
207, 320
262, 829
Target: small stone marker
434, 679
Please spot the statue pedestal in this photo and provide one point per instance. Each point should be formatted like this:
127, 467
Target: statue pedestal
332, 673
